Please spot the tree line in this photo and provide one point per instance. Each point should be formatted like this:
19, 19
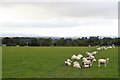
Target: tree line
83, 41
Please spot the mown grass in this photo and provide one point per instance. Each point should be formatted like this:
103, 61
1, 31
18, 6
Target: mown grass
48, 62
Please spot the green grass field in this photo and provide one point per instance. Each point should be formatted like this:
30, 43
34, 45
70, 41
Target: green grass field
48, 62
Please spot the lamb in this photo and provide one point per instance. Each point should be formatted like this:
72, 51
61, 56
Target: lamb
103, 61
76, 64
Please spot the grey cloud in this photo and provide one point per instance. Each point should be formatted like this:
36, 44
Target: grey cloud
64, 10
58, 23
41, 24
97, 10
75, 9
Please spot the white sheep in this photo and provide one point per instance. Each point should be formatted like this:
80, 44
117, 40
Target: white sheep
68, 62
76, 64
94, 53
88, 54
99, 48
87, 62
109, 47
76, 57
92, 58
103, 61
73, 56
80, 55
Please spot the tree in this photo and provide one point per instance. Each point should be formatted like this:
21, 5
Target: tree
34, 42
84, 41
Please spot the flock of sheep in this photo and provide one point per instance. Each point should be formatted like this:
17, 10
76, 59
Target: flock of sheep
88, 60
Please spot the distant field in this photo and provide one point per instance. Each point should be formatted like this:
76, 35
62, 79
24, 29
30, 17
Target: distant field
48, 62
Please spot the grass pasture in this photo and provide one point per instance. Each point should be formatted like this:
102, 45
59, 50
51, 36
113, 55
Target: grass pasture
48, 62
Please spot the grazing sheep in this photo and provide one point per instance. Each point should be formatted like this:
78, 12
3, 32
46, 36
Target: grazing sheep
87, 62
109, 47
99, 48
76, 57
68, 62
76, 64
103, 47
103, 61
88, 54
91, 56
80, 56
73, 56
94, 53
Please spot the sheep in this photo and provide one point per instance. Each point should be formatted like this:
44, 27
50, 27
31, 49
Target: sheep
88, 54
94, 53
103, 61
68, 62
92, 58
76, 57
110, 47
91, 54
76, 64
87, 62
79, 56
99, 48
103, 47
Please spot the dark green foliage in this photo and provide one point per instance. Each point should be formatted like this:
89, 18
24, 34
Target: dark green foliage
84, 41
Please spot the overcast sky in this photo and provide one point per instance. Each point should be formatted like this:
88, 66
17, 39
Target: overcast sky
59, 19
